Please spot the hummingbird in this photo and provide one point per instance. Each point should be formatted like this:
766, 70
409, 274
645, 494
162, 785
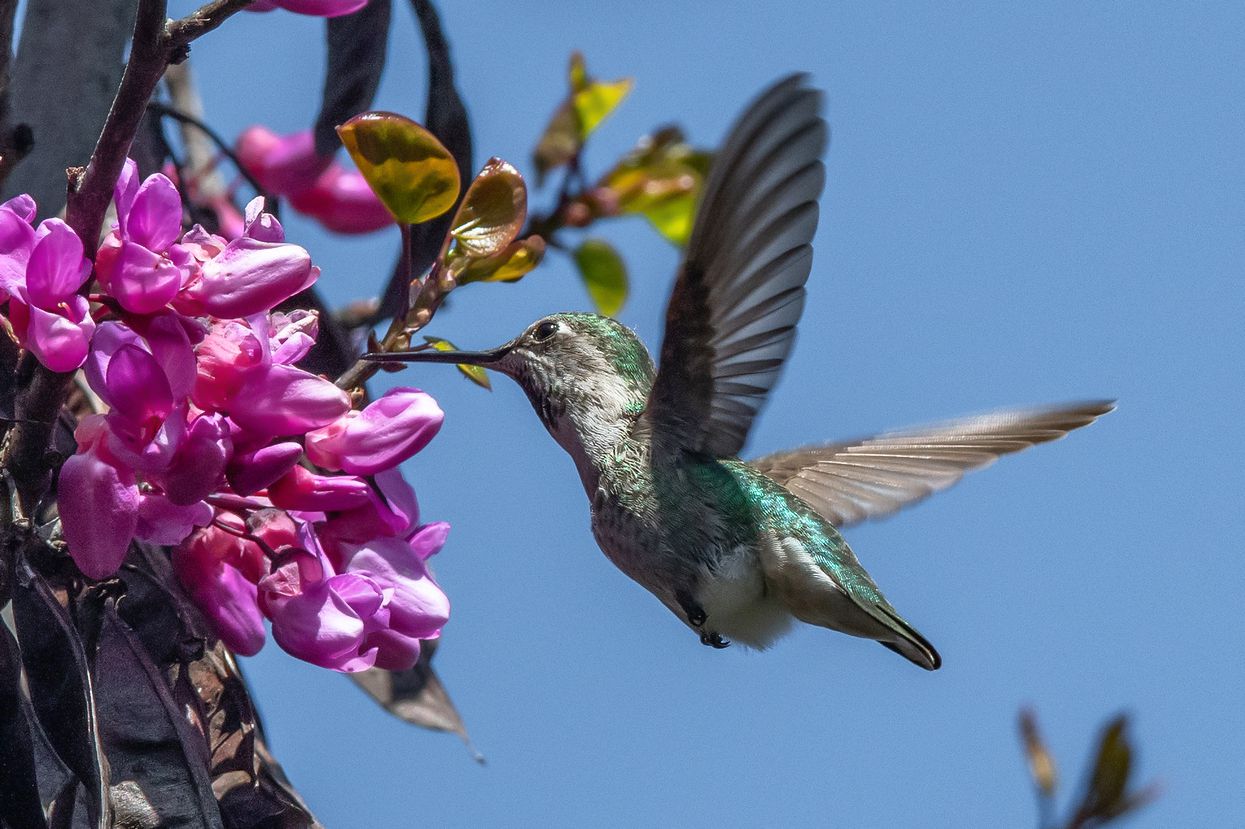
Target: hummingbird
740, 550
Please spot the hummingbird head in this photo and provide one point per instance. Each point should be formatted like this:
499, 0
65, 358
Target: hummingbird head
579, 370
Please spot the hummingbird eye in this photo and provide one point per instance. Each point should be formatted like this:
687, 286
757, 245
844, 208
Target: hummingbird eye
545, 330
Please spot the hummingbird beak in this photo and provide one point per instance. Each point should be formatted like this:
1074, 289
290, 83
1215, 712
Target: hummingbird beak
471, 358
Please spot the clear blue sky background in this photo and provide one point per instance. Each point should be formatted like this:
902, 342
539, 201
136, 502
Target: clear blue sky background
1023, 205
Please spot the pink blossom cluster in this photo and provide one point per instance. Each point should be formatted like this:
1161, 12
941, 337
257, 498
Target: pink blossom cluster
318, 186
281, 501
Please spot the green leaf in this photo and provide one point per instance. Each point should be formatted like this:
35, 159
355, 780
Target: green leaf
673, 217
405, 165
475, 374
1107, 796
510, 265
660, 179
604, 275
588, 104
596, 101
492, 211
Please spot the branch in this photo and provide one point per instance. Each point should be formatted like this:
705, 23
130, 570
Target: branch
198, 23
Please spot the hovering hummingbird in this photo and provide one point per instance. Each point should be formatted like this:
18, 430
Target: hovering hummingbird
738, 549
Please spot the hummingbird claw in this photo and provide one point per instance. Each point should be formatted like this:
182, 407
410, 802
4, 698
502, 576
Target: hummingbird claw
696, 615
714, 640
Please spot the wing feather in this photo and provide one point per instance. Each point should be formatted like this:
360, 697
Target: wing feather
870, 478
740, 291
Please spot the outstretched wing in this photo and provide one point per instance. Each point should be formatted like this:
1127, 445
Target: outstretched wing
852, 481
739, 294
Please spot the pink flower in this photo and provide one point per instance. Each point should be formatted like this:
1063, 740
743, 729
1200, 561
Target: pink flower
283, 400
318, 186
318, 8
387, 432
211, 564
341, 200
251, 274
370, 608
301, 489
282, 164
47, 315
100, 502
17, 239
138, 263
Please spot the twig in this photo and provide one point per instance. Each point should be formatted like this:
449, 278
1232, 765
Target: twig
166, 111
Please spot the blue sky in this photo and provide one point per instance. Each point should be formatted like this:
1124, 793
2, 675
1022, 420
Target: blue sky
1024, 205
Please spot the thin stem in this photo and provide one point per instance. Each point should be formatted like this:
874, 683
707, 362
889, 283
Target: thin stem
405, 258
201, 21
166, 111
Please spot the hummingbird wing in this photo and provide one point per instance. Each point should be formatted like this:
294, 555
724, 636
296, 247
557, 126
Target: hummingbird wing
739, 294
870, 478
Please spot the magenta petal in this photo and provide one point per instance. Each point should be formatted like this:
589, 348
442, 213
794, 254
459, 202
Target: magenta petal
394, 651
311, 619
229, 352
142, 281
57, 267
22, 206
261, 226
417, 606
387, 432
286, 401
134, 445
285, 164
17, 239
429, 539
199, 463
203, 566
253, 471
292, 334
170, 345
400, 495
155, 216
342, 201
126, 189
99, 511
58, 342
109, 337
302, 489
138, 387
249, 277
160, 521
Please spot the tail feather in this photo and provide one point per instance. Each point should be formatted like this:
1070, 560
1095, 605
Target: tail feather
908, 642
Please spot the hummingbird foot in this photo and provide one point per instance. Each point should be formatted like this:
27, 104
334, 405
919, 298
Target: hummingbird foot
713, 640
695, 614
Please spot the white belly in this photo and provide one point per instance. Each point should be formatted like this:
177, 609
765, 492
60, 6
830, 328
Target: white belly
738, 604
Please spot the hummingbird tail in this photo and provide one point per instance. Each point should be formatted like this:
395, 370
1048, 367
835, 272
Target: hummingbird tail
908, 643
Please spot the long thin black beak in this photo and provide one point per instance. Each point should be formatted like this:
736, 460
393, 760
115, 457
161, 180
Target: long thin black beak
471, 358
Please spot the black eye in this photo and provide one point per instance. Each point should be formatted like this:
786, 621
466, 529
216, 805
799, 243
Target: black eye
545, 330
